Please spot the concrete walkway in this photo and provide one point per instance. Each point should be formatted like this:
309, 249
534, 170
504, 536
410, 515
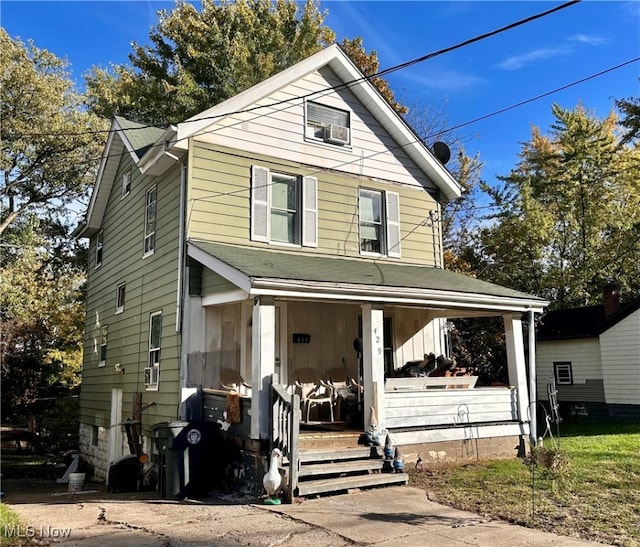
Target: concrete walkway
380, 517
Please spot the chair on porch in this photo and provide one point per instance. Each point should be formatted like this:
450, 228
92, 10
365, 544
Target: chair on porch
314, 394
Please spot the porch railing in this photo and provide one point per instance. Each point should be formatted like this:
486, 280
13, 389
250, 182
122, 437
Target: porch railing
285, 429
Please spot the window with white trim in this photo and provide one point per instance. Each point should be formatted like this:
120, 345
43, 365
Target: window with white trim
563, 373
126, 183
379, 223
120, 293
99, 248
152, 372
327, 124
104, 331
151, 205
283, 208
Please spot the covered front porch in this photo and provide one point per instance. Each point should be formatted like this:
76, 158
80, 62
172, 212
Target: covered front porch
270, 331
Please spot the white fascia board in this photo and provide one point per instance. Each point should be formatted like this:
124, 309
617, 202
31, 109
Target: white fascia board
238, 278
229, 297
157, 151
398, 129
426, 297
92, 223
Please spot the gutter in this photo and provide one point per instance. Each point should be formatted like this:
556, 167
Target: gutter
297, 289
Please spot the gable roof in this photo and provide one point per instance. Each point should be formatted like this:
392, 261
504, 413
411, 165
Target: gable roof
583, 322
262, 271
334, 58
139, 141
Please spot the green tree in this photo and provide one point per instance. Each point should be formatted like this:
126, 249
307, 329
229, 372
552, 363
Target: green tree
569, 213
50, 147
41, 323
630, 110
369, 66
197, 59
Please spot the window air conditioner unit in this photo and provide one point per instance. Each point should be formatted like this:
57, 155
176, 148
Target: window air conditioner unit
151, 376
337, 134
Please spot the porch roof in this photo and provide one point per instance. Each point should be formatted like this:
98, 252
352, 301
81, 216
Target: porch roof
259, 271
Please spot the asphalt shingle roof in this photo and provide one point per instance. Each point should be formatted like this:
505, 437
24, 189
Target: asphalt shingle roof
140, 136
262, 263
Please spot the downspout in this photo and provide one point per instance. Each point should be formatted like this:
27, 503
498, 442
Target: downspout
533, 402
181, 230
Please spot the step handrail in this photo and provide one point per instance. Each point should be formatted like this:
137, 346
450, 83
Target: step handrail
285, 430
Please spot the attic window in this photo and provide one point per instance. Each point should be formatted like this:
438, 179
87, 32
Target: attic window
126, 183
328, 124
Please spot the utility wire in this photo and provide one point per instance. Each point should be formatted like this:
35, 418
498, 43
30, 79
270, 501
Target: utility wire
344, 84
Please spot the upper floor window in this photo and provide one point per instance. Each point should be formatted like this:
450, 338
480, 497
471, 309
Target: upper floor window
126, 183
563, 373
104, 331
150, 221
152, 372
379, 223
283, 208
327, 124
120, 292
99, 248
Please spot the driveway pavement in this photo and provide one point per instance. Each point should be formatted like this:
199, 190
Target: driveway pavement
380, 517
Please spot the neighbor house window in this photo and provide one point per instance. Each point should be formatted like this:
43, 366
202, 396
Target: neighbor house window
120, 291
126, 183
150, 221
327, 124
563, 373
152, 371
103, 345
379, 223
99, 247
283, 208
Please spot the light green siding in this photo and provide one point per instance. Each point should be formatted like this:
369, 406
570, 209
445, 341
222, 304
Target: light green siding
219, 205
151, 285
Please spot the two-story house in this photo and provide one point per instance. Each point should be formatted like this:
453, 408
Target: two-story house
292, 227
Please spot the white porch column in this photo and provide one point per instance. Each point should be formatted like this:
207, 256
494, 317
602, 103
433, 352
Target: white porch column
533, 395
373, 364
516, 362
262, 364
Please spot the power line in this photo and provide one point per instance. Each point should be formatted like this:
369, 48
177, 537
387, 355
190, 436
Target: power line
345, 84
475, 120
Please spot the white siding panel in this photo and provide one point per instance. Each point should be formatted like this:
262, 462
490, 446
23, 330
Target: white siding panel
278, 130
584, 355
620, 354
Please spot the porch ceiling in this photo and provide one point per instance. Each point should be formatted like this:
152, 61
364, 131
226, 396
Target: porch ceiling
292, 274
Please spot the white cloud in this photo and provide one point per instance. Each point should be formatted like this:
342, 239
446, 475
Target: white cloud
516, 62
442, 79
588, 39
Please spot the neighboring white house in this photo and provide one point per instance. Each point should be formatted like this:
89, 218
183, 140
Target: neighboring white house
593, 353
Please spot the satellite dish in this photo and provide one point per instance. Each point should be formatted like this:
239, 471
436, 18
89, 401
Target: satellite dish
442, 152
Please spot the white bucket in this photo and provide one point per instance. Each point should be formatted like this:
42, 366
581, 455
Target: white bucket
76, 482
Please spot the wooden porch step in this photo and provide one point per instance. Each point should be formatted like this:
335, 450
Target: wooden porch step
336, 468
337, 455
320, 486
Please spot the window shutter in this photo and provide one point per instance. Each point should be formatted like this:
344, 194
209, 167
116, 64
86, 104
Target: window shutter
310, 211
260, 193
393, 224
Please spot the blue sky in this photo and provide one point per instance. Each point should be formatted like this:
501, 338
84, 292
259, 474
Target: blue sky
473, 81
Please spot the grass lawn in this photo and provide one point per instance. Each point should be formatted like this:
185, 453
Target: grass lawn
13, 532
594, 495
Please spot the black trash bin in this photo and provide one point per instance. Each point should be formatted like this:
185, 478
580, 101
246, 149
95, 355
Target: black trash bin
188, 464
